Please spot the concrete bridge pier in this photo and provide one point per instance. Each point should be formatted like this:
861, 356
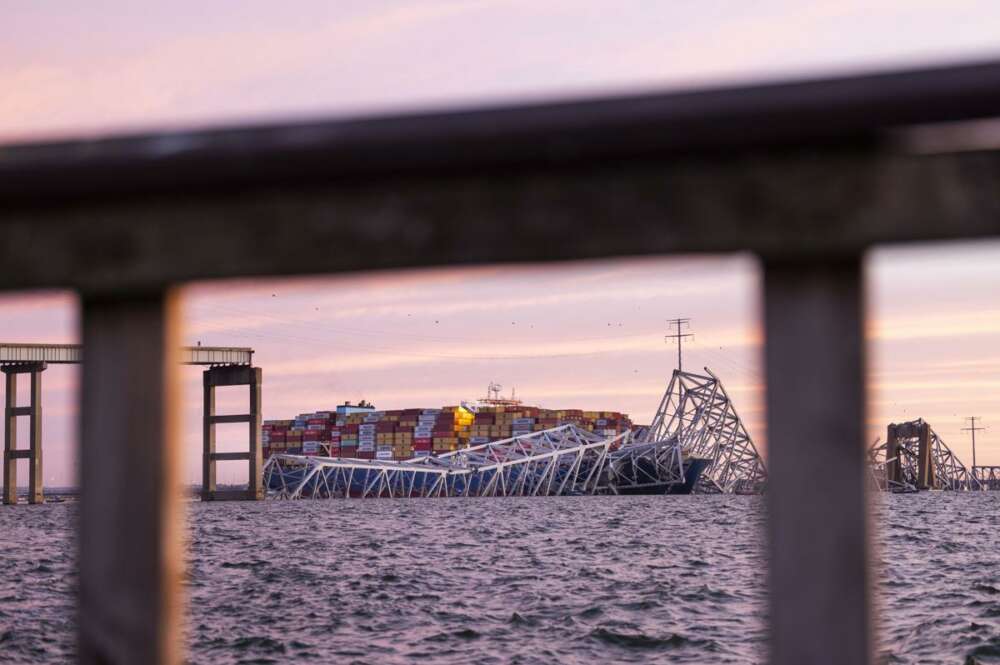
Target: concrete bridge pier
33, 453
232, 375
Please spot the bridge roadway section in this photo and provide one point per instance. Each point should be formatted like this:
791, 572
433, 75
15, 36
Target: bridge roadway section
227, 366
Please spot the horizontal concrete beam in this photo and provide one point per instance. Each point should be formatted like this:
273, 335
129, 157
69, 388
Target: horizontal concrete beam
232, 418
21, 410
229, 495
808, 203
828, 112
231, 375
799, 168
222, 457
18, 454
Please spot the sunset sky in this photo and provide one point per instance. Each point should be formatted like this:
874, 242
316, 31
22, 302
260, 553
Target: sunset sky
587, 335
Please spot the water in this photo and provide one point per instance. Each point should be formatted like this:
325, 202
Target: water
552, 580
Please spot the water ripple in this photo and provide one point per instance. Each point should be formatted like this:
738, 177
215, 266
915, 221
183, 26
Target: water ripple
518, 580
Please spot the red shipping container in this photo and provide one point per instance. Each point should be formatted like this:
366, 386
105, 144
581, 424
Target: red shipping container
444, 432
349, 428
384, 427
422, 445
366, 454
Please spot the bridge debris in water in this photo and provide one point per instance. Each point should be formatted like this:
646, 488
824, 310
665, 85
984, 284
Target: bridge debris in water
915, 458
696, 443
697, 413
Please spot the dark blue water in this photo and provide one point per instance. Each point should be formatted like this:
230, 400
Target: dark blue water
551, 580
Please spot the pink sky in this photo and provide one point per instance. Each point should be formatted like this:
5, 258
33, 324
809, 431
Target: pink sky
581, 335
105, 65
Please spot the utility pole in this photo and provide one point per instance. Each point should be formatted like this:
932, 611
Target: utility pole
679, 336
972, 428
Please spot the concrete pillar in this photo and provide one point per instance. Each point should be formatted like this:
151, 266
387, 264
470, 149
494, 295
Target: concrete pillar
232, 375
893, 468
814, 355
33, 453
131, 515
925, 464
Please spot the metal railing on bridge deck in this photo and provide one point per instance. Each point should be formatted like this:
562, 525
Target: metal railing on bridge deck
806, 174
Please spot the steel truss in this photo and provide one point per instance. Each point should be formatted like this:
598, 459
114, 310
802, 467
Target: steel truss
559, 461
947, 471
697, 413
987, 477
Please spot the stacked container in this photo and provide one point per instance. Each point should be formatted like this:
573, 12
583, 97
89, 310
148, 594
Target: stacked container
406, 433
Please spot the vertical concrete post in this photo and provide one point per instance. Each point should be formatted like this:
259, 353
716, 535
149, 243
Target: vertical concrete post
208, 438
232, 375
35, 479
10, 440
893, 469
925, 466
131, 511
814, 355
256, 486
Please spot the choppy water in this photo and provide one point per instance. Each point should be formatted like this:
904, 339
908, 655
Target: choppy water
554, 580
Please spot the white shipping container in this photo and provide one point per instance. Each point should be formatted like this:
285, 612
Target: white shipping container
431, 412
309, 446
520, 432
477, 440
421, 453
523, 421
384, 454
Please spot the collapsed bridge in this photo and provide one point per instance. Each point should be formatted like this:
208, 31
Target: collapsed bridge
563, 460
914, 458
696, 443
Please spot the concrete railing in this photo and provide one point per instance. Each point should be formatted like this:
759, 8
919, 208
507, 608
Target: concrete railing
807, 175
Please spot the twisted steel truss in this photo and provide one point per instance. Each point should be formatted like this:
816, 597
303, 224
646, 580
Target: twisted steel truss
698, 415
559, 461
914, 457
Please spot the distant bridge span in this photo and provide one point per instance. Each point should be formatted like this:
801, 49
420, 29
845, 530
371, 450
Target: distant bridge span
227, 366
72, 354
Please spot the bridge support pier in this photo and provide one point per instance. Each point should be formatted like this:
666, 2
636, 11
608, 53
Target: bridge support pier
232, 375
33, 453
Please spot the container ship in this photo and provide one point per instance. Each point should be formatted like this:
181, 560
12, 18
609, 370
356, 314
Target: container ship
494, 447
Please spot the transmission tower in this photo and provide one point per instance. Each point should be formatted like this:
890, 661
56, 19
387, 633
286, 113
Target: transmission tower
679, 336
973, 429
